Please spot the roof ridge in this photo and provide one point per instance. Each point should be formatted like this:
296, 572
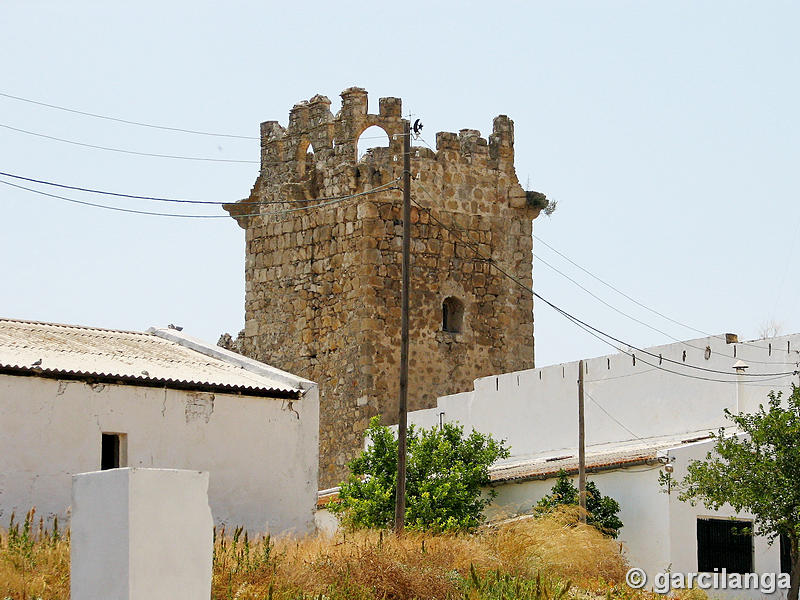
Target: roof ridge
176, 336
73, 326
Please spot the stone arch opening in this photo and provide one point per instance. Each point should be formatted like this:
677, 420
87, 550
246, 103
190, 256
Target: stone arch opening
452, 315
305, 159
372, 137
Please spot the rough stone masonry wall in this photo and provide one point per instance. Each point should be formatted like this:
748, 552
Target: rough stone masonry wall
323, 280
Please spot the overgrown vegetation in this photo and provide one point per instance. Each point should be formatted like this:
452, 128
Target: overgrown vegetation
34, 560
602, 510
446, 472
530, 559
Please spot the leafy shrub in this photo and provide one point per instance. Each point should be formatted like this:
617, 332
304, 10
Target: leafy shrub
602, 509
446, 472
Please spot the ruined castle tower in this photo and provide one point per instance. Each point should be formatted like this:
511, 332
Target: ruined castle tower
323, 273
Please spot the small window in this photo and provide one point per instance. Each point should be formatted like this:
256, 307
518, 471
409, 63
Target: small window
452, 315
113, 452
724, 544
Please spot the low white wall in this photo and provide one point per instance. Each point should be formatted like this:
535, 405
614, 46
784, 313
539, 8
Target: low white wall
140, 534
536, 410
262, 453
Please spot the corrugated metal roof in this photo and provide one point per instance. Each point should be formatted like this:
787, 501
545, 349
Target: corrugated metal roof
599, 457
50, 349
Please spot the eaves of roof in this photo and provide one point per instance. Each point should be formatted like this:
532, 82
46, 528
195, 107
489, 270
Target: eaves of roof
144, 381
648, 459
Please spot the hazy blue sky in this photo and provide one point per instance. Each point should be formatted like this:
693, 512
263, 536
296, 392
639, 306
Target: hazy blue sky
667, 132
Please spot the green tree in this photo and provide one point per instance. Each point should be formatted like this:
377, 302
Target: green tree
602, 509
445, 475
757, 471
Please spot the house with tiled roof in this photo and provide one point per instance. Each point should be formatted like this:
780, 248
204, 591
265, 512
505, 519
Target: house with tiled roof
78, 399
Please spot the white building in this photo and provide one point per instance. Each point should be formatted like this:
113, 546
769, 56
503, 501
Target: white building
639, 416
78, 399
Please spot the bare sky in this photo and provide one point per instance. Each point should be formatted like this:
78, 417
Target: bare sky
667, 132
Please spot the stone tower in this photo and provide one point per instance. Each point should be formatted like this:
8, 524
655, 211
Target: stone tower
323, 273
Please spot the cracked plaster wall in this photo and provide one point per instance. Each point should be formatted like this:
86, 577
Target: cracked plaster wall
261, 452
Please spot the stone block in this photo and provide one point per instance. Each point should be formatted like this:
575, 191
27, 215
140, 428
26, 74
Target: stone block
140, 534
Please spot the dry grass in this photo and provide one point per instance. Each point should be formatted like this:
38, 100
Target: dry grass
370, 565
536, 556
34, 561
562, 546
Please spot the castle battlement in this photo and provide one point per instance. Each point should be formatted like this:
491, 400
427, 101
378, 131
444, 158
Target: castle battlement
334, 139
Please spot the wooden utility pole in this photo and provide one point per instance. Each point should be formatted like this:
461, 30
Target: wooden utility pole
402, 416
581, 447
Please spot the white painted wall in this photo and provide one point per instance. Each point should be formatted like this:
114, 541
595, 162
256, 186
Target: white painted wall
536, 410
642, 509
141, 534
660, 531
262, 453
100, 536
683, 524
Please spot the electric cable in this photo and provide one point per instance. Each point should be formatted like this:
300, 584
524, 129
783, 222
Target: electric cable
620, 292
612, 307
138, 123
125, 151
795, 363
185, 216
632, 318
126, 121
610, 416
587, 326
159, 198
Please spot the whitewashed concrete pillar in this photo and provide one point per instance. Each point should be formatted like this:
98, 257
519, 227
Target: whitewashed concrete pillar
141, 534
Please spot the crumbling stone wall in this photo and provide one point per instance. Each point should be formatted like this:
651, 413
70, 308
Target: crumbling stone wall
323, 283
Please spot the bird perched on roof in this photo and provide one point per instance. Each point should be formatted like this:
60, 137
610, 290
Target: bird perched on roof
37, 363
175, 327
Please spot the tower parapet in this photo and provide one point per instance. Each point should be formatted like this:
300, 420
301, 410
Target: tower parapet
323, 275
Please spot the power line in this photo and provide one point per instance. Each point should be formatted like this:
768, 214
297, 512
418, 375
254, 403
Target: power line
608, 285
614, 308
610, 416
589, 327
142, 124
124, 151
632, 318
157, 198
382, 188
635, 301
796, 363
126, 121
604, 379
151, 154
